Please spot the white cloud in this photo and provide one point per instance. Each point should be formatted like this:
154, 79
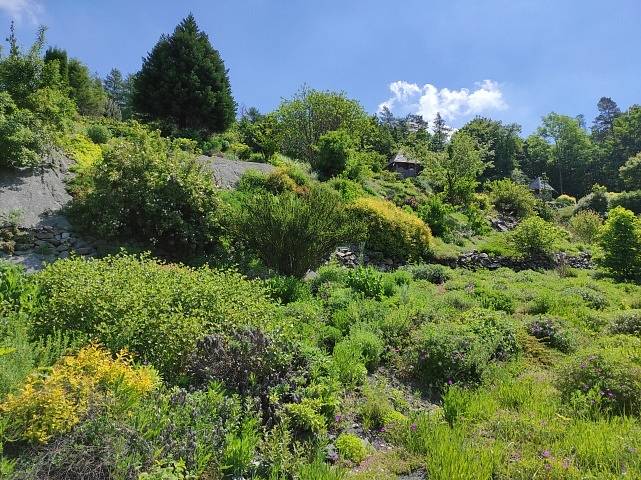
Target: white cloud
19, 9
428, 100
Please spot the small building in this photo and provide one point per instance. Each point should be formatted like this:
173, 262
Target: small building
541, 187
405, 167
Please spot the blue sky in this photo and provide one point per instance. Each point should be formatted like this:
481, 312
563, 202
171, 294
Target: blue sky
513, 60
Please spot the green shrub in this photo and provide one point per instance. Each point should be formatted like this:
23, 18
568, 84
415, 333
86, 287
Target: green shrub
535, 237
392, 231
565, 200
437, 215
351, 448
628, 322
21, 140
154, 310
620, 242
367, 281
494, 299
319, 470
433, 273
98, 134
349, 190
597, 201
332, 152
589, 296
240, 447
512, 198
629, 200
454, 352
609, 376
585, 225
294, 233
287, 289
553, 332
148, 189
349, 364
368, 344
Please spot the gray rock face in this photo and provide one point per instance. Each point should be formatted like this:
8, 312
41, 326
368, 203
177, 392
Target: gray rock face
226, 172
37, 194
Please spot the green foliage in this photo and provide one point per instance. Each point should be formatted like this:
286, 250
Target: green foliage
367, 281
461, 352
147, 188
239, 448
494, 299
553, 332
628, 322
82, 150
310, 114
433, 273
348, 189
596, 201
154, 310
98, 133
456, 170
85, 90
332, 151
392, 231
610, 376
620, 241
511, 198
287, 289
351, 448
437, 215
184, 84
294, 233
628, 200
20, 142
631, 172
348, 361
319, 470
586, 225
368, 344
534, 236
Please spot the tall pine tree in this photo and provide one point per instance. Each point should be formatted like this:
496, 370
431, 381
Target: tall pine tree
183, 83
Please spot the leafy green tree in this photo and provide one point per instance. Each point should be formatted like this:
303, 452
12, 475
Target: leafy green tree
183, 83
620, 242
572, 152
54, 54
457, 169
502, 143
631, 173
310, 114
86, 90
259, 131
537, 157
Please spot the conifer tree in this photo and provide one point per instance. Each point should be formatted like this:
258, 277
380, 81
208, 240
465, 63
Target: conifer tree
183, 83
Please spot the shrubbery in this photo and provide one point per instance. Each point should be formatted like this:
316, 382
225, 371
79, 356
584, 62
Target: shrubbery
628, 322
585, 225
596, 201
534, 237
294, 233
620, 242
351, 447
154, 310
512, 198
629, 200
21, 140
52, 405
553, 332
461, 352
147, 188
610, 378
392, 231
437, 214
98, 133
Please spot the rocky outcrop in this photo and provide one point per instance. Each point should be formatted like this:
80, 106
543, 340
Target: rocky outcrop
226, 173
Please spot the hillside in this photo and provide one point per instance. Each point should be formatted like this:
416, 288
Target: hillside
193, 290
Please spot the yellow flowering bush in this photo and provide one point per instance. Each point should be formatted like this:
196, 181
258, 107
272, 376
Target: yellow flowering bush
51, 404
391, 230
81, 149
